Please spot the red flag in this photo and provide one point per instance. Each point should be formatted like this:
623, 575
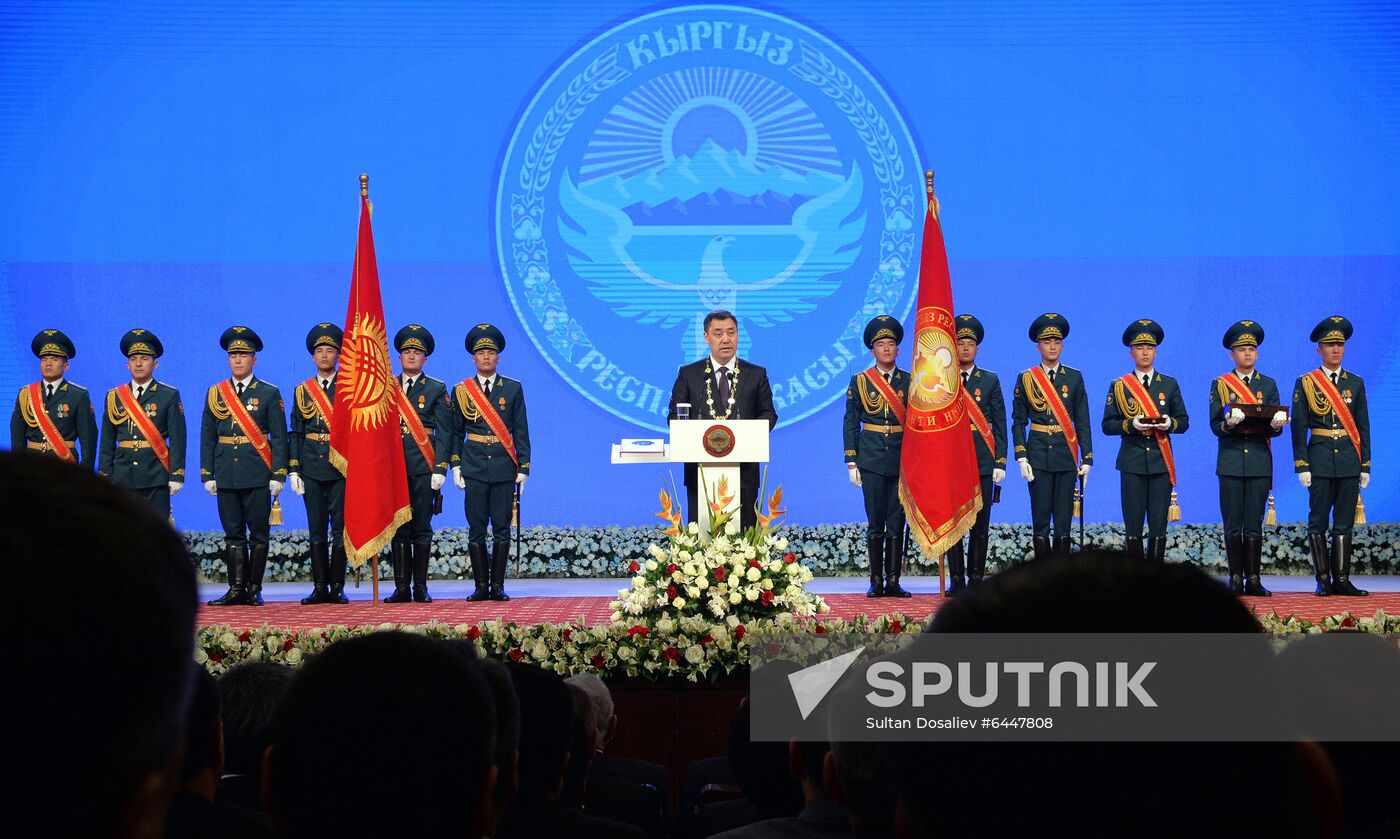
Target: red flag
365, 442
938, 482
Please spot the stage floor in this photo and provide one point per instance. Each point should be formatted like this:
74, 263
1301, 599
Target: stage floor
561, 601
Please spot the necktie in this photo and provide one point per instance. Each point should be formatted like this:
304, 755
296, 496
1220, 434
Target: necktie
48, 391
1146, 381
240, 388
724, 386
408, 384
1246, 381
889, 379
1053, 371
967, 377
139, 391
326, 386
1334, 379
486, 389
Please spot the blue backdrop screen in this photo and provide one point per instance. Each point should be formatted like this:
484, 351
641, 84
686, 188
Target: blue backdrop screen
592, 177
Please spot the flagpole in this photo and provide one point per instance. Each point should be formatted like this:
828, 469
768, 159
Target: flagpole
933, 208
374, 560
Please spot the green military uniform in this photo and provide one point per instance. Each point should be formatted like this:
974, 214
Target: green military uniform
1044, 445
323, 485
488, 470
126, 456
243, 480
1324, 448
1145, 483
985, 388
413, 542
68, 405
873, 437
1244, 464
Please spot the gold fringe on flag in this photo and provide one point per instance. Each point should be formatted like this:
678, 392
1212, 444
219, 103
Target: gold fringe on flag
1271, 517
274, 519
1360, 510
1174, 511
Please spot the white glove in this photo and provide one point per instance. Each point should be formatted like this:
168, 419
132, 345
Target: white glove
1084, 471
1139, 425
1279, 420
211, 487
1365, 479
298, 485
854, 474
1234, 418
175, 487
274, 487
1026, 471
998, 475
457, 477
437, 481
520, 480
1305, 478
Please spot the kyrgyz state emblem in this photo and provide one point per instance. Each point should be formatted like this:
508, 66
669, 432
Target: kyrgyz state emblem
364, 372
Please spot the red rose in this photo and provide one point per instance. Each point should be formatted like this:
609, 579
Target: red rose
637, 630
708, 639
672, 654
245, 637
325, 636
568, 635
287, 645
599, 661
216, 657
473, 634
789, 557
1347, 621
719, 575
753, 563
740, 631
633, 567
896, 626
515, 655
821, 630
766, 598
671, 569
670, 592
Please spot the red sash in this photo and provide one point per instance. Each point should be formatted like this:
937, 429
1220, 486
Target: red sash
979, 421
1237, 387
318, 396
415, 427
1149, 409
254, 434
895, 403
472, 390
144, 425
46, 426
1057, 407
1339, 407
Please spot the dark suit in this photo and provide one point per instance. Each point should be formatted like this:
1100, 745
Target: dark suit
137, 468
70, 408
1145, 486
753, 399
1045, 447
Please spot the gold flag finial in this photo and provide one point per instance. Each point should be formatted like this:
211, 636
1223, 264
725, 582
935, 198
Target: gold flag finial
364, 185
932, 199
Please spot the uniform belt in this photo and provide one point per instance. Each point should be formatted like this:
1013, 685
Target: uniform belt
133, 444
882, 429
1046, 429
317, 437
1332, 433
483, 438
45, 447
235, 441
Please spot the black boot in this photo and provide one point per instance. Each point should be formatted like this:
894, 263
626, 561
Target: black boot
875, 550
257, 564
337, 575
1317, 547
500, 552
976, 559
1040, 548
398, 551
1234, 560
1132, 546
1341, 568
894, 567
421, 556
1062, 547
1157, 550
320, 571
477, 552
237, 594
956, 572
1253, 547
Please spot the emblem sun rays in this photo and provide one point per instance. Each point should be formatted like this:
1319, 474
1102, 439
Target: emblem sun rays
364, 373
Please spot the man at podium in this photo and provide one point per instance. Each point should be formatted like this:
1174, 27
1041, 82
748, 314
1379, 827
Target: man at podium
724, 387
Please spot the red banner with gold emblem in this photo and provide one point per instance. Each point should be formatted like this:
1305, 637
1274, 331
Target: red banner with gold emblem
938, 482
365, 442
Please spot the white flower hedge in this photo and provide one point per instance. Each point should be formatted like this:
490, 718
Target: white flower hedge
827, 550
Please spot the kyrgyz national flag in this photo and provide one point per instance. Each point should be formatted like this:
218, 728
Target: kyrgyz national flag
938, 481
365, 442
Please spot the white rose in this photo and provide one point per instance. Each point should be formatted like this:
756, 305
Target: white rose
693, 529
767, 585
695, 654
732, 528
692, 592
781, 544
736, 598
294, 656
651, 564
776, 565
753, 575
273, 644
679, 602
615, 616
200, 656
541, 651
228, 640
751, 594
626, 653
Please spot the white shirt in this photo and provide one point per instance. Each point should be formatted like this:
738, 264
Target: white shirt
488, 382
1150, 374
405, 380
720, 369
1051, 371
46, 385
324, 382
135, 385
244, 382
1330, 373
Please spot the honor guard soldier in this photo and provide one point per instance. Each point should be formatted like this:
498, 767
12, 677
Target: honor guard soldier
1145, 408
143, 427
1051, 399
987, 413
425, 419
243, 461
1244, 461
873, 431
492, 459
1332, 455
54, 415
310, 471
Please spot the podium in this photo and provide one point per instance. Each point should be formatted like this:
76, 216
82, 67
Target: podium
717, 448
